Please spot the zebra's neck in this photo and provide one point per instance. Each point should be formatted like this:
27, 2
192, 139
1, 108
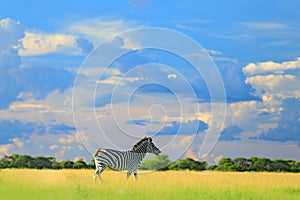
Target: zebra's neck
141, 148
138, 155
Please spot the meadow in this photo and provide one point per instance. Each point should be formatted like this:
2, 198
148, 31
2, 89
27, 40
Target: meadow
32, 184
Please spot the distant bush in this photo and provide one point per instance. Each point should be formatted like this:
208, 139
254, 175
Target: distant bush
188, 163
258, 164
158, 162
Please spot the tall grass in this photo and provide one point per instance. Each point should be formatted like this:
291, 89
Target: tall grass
79, 184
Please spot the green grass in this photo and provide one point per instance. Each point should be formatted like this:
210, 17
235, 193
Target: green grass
78, 184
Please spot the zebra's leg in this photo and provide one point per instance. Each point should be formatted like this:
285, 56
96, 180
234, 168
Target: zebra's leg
128, 173
99, 170
135, 175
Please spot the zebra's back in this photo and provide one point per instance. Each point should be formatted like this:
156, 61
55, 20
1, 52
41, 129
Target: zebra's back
117, 160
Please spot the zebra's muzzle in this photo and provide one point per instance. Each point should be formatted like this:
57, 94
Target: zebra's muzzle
157, 152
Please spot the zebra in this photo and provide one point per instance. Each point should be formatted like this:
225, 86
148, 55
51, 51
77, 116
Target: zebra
129, 160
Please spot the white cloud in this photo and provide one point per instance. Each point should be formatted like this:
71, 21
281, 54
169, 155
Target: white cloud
276, 43
16, 106
271, 81
46, 144
5, 149
185, 141
190, 154
67, 140
235, 37
243, 115
45, 43
270, 67
91, 72
116, 80
71, 40
265, 25
170, 76
218, 158
57, 106
18, 142
214, 52
270, 86
232, 60
53, 147
97, 30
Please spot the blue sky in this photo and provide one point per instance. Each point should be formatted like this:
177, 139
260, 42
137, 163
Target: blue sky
255, 47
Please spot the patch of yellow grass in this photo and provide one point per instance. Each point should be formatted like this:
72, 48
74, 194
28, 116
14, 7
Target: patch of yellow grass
79, 184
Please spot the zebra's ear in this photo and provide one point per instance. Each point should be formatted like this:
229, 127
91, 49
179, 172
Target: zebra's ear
150, 139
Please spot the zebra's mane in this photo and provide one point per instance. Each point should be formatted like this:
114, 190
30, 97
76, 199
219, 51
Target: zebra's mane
141, 142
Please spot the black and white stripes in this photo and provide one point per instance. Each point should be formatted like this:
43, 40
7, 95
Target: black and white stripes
124, 160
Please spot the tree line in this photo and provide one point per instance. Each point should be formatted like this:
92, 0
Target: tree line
158, 162
42, 162
161, 162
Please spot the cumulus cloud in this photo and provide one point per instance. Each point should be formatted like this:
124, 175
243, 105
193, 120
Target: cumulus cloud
97, 30
273, 83
44, 43
270, 67
288, 127
277, 79
35, 43
244, 115
15, 79
77, 39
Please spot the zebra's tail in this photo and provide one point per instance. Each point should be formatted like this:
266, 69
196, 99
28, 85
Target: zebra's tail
96, 153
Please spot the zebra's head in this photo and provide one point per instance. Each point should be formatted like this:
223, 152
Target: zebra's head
146, 146
152, 148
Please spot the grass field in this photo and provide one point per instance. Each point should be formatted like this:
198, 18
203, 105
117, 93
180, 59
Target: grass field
78, 184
